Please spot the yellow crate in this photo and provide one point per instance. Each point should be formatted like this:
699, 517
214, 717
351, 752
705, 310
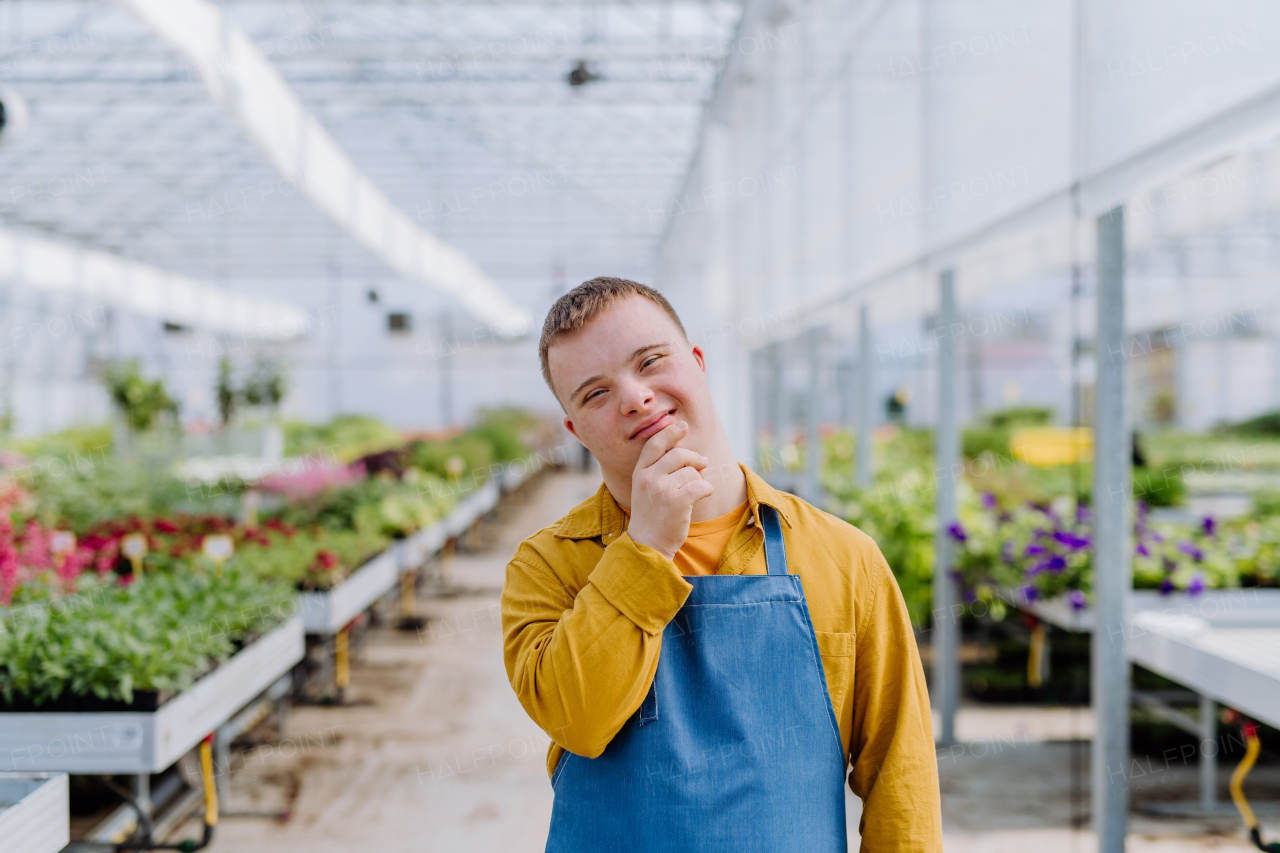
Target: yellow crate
1052, 445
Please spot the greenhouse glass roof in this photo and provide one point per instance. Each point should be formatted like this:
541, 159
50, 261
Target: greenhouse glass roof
542, 140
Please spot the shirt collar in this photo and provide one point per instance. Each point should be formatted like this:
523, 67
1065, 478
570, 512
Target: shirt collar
601, 514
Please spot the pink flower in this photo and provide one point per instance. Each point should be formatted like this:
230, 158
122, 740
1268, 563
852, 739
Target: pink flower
8, 562
35, 547
315, 477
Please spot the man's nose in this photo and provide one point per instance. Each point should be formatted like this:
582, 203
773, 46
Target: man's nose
635, 396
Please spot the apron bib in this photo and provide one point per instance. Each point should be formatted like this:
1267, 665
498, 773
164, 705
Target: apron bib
736, 746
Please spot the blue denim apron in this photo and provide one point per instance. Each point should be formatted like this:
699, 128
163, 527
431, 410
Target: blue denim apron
735, 748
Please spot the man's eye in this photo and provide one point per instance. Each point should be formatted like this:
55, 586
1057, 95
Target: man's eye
592, 394
649, 361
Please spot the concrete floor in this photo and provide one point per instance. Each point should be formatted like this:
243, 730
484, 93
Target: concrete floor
432, 752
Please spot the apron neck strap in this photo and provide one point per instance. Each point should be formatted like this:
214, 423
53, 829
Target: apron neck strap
775, 547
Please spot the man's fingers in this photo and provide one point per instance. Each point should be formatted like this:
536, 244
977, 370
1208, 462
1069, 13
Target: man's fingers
677, 458
682, 477
660, 442
695, 491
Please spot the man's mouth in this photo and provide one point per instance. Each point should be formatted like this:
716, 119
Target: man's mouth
655, 425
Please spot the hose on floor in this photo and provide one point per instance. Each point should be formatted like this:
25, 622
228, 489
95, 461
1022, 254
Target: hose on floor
1035, 655
188, 845
1252, 747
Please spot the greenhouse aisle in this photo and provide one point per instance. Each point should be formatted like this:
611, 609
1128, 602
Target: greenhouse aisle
434, 753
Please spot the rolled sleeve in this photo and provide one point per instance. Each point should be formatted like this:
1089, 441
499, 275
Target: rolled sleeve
642, 584
581, 663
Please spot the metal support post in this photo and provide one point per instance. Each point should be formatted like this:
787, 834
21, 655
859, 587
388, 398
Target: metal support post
1208, 760
812, 414
222, 766
777, 408
142, 792
863, 453
1111, 487
946, 622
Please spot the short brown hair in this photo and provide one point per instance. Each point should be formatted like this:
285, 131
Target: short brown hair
579, 306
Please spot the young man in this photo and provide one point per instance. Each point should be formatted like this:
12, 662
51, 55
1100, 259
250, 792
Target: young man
710, 656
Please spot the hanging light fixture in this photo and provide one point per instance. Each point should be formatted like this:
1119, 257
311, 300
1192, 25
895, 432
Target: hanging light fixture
13, 115
581, 75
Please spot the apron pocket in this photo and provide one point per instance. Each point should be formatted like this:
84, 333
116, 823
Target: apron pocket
837, 665
559, 771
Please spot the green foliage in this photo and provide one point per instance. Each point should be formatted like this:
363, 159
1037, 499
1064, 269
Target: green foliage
266, 383
313, 559
346, 437
384, 506
992, 434
1266, 503
1266, 424
88, 442
160, 633
504, 430
1211, 453
224, 390
1017, 417
141, 400
472, 448
1042, 549
1159, 487
979, 440
1013, 482
896, 511
86, 491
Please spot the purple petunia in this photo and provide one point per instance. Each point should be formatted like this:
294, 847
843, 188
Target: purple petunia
1077, 600
988, 500
1191, 550
1030, 593
1056, 563
1196, 586
1071, 540
1210, 526
1143, 550
957, 532
1033, 550
1166, 586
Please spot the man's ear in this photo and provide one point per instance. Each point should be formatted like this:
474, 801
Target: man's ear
700, 357
568, 424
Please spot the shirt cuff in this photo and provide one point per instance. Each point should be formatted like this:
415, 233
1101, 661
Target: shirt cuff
642, 584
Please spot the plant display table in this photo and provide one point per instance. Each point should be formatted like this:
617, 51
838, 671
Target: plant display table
329, 611
34, 812
472, 507
1241, 608
121, 742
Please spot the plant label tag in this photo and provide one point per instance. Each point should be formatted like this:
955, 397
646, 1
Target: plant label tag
134, 546
218, 547
62, 542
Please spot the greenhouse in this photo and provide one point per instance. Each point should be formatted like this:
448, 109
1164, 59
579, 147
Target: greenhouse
579, 425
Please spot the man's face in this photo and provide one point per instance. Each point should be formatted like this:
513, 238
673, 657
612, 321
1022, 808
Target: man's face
627, 374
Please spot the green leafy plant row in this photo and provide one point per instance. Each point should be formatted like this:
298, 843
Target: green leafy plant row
159, 633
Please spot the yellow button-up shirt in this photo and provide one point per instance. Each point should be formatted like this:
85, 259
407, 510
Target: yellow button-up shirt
584, 608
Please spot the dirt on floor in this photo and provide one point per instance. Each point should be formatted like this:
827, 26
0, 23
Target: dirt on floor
430, 750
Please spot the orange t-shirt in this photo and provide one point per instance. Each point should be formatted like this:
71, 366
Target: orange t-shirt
702, 551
